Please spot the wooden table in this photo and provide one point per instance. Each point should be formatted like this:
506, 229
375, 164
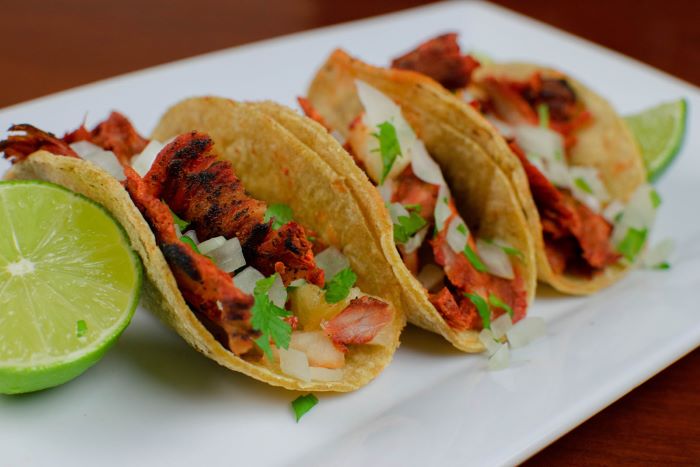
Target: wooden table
50, 46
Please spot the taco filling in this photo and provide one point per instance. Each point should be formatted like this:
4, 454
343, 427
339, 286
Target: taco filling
262, 284
584, 229
470, 280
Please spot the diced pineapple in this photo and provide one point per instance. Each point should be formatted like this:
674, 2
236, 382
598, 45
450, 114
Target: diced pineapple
318, 348
308, 303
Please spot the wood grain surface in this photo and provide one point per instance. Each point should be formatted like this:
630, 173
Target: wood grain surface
48, 46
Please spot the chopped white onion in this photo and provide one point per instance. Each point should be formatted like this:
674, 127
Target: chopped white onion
416, 240
106, 160
442, 207
612, 210
525, 331
278, 292
500, 359
590, 178
457, 234
386, 190
326, 374
660, 253
212, 244
397, 210
541, 141
495, 259
332, 261
423, 166
431, 276
354, 293
193, 236
318, 348
486, 338
295, 363
501, 325
229, 256
502, 127
638, 214
247, 278
297, 283
142, 163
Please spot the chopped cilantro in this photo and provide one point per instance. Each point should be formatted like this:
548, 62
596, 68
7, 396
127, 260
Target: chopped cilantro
303, 404
187, 240
461, 228
267, 318
408, 226
279, 213
498, 303
81, 328
543, 114
445, 200
339, 286
389, 147
583, 185
509, 250
482, 307
655, 198
183, 224
617, 217
413, 207
630, 246
663, 266
474, 259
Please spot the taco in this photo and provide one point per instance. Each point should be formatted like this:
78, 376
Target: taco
573, 162
282, 280
459, 243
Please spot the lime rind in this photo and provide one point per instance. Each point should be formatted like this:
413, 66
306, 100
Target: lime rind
660, 133
36, 374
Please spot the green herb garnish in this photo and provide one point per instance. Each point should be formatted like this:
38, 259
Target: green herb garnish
474, 259
81, 328
498, 303
408, 226
630, 246
509, 250
655, 198
389, 147
187, 240
663, 266
279, 213
583, 185
267, 318
461, 228
482, 307
181, 223
413, 207
303, 404
543, 114
339, 286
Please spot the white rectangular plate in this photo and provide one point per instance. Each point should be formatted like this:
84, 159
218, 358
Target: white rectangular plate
155, 401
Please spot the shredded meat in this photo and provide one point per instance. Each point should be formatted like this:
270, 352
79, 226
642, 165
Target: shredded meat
28, 139
205, 287
359, 322
459, 316
409, 189
115, 134
441, 59
571, 230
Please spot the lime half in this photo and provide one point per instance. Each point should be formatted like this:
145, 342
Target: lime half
69, 284
659, 132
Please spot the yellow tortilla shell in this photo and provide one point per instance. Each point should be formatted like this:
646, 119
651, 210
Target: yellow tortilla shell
274, 167
482, 192
606, 144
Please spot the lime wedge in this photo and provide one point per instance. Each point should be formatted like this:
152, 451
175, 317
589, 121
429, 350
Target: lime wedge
659, 131
69, 284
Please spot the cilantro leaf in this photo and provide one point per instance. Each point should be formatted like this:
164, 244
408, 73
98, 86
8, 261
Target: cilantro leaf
267, 318
389, 147
461, 228
187, 240
408, 226
655, 198
183, 224
279, 213
482, 307
630, 246
583, 185
80, 328
498, 303
663, 266
474, 259
543, 115
339, 286
303, 404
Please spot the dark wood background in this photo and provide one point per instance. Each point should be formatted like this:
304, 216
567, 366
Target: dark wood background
48, 46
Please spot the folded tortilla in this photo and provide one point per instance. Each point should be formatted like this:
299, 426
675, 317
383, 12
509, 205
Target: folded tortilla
606, 144
274, 166
483, 195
